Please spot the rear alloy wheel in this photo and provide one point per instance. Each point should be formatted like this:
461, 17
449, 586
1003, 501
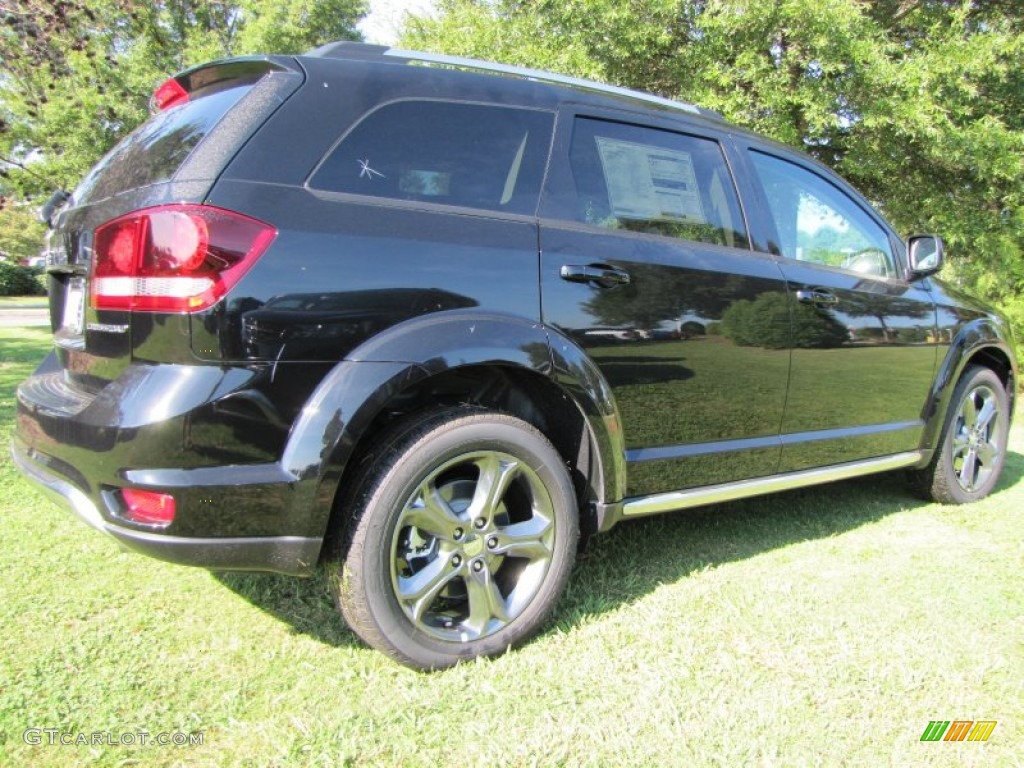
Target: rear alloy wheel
972, 450
464, 535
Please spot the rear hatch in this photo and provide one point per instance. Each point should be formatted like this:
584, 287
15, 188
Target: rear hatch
138, 240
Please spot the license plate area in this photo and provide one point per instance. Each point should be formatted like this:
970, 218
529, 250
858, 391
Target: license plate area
73, 319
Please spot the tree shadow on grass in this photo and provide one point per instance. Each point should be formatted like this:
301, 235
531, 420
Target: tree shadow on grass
636, 557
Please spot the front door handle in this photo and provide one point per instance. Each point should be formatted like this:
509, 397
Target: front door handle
604, 275
816, 296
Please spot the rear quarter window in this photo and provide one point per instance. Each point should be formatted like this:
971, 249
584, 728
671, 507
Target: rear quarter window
467, 155
157, 148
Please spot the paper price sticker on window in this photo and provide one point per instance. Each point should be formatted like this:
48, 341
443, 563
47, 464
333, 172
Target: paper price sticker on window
646, 182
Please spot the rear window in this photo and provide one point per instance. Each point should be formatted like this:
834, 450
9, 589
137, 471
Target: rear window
469, 155
158, 147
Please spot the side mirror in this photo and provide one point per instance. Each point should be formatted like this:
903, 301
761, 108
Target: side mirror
925, 253
57, 199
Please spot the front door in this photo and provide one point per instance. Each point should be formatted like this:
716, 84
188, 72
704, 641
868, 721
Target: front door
864, 338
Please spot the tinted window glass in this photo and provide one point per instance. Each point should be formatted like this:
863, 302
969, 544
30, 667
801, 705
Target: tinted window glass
817, 222
469, 155
158, 147
659, 182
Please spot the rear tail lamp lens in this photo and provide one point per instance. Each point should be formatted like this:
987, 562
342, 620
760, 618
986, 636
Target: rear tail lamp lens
147, 507
174, 258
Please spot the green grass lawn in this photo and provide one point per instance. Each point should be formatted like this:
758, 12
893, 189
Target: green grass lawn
23, 302
822, 627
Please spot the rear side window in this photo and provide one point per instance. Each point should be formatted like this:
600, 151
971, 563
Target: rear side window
469, 155
158, 147
659, 182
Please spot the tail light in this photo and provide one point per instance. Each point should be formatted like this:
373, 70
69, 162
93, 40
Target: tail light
174, 258
148, 507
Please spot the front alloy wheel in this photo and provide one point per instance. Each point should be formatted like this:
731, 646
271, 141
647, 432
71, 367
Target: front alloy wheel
972, 448
464, 533
978, 440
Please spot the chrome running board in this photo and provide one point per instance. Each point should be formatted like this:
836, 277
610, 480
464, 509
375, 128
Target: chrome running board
716, 494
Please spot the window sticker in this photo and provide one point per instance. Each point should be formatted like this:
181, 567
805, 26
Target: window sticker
425, 183
646, 182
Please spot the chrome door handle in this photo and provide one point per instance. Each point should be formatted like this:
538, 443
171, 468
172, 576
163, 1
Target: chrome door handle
602, 274
816, 296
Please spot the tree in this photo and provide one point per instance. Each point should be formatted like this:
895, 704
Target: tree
77, 74
920, 103
21, 233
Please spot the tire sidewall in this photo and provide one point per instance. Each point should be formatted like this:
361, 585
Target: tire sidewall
451, 438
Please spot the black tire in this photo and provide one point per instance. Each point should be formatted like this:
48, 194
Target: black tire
463, 534
972, 447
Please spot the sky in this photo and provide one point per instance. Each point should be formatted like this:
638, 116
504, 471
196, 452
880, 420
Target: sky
384, 21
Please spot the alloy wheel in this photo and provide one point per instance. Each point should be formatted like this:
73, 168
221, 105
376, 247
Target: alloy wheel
472, 546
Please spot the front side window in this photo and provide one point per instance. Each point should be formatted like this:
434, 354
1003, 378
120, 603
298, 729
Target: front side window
654, 181
817, 222
469, 155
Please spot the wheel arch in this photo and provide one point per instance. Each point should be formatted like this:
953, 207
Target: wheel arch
977, 343
498, 361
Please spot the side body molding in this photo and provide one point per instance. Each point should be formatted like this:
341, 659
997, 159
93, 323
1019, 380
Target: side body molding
336, 416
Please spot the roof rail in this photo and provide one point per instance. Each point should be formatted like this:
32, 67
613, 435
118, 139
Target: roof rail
547, 77
350, 50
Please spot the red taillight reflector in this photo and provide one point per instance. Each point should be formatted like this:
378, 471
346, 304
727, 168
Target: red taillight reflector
148, 507
173, 258
170, 93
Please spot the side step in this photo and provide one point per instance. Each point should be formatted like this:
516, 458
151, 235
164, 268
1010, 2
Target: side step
609, 514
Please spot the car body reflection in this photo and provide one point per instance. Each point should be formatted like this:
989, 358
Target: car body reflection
326, 326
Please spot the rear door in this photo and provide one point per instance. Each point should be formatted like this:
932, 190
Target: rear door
645, 262
864, 337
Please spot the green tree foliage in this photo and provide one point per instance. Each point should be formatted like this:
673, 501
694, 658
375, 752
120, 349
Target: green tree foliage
21, 233
920, 103
16, 280
77, 74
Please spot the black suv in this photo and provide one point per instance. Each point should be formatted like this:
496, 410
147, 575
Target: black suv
433, 320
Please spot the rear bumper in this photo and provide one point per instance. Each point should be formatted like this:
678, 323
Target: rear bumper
292, 555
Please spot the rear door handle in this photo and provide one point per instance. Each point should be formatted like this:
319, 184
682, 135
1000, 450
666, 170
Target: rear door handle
604, 275
816, 296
